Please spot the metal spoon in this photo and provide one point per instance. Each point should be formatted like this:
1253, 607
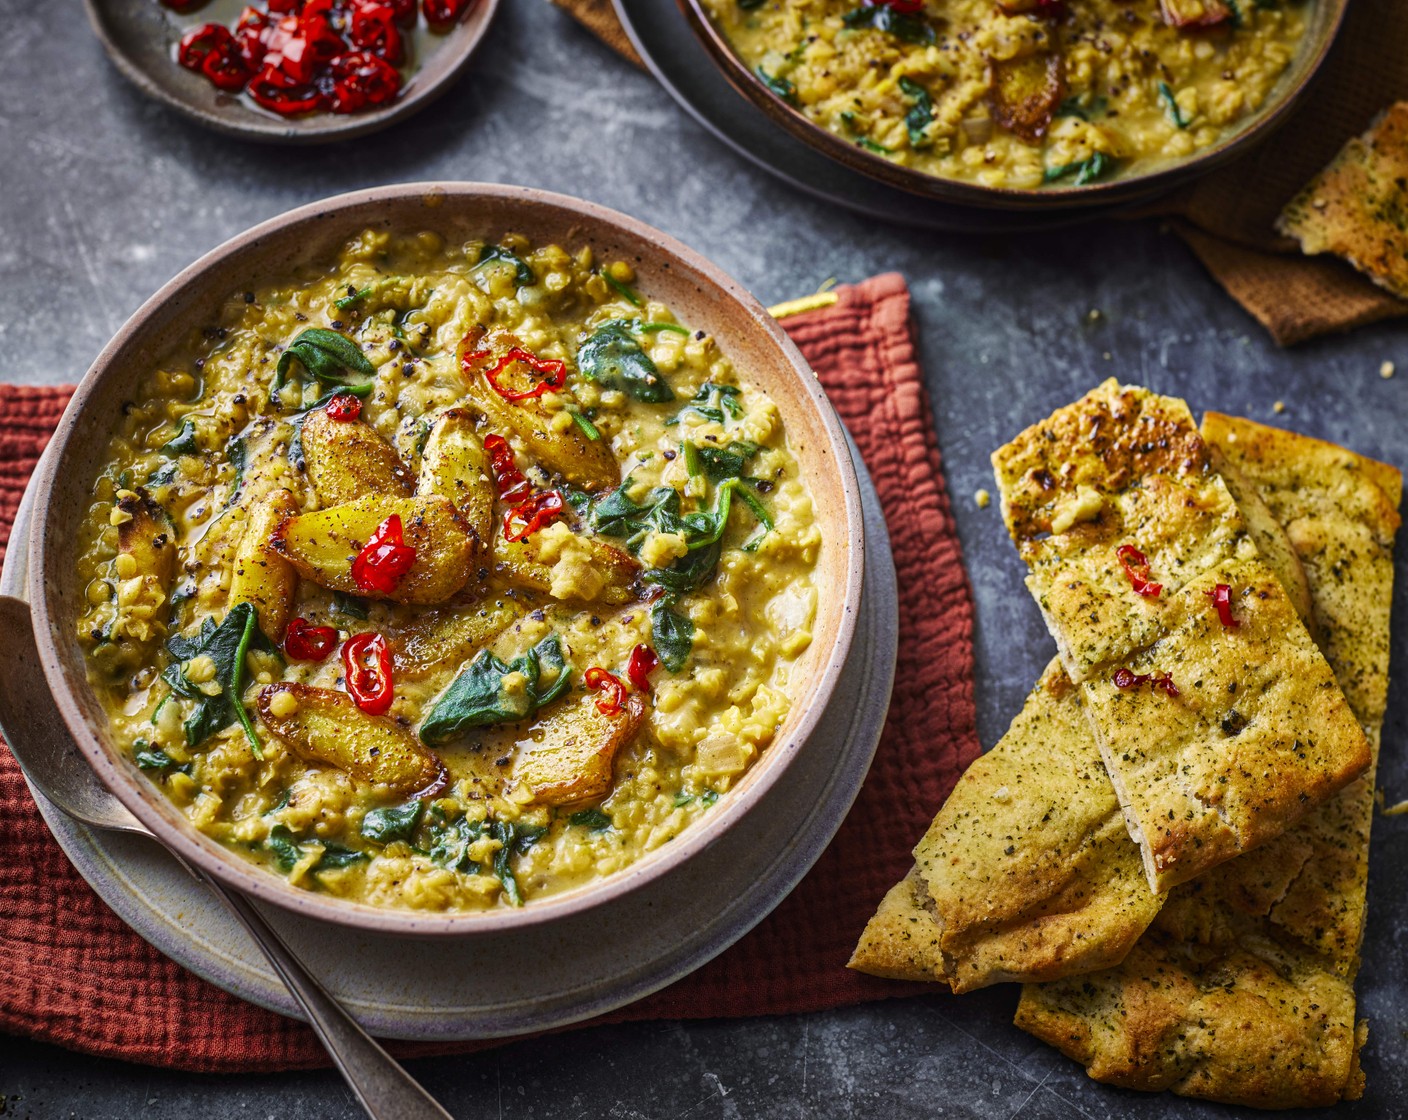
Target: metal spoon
53, 765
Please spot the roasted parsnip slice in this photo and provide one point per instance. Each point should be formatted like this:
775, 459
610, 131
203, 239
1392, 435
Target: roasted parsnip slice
1196, 15
322, 725
261, 576
447, 637
568, 756
584, 462
568, 566
1025, 92
348, 460
322, 546
455, 467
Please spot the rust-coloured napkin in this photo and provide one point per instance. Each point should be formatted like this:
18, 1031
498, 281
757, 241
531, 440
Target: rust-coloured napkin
76, 975
1227, 217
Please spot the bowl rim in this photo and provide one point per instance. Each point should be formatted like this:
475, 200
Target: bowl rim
321, 128
146, 801
1286, 97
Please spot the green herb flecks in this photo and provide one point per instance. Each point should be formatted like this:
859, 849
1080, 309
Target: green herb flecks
921, 112
1085, 171
613, 357
625, 291
589, 429
779, 86
226, 645
328, 357
881, 17
1175, 114
523, 274
479, 696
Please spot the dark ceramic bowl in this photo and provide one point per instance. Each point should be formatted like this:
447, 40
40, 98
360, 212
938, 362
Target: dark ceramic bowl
1123, 189
140, 37
696, 289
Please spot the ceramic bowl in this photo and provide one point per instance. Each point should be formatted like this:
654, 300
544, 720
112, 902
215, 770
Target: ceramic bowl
1325, 23
667, 270
140, 37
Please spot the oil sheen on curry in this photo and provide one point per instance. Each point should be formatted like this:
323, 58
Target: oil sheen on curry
1020, 93
448, 577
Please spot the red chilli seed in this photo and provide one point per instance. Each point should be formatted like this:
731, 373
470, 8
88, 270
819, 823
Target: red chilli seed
345, 407
1136, 567
1221, 597
643, 662
1127, 679
384, 560
599, 680
303, 642
366, 661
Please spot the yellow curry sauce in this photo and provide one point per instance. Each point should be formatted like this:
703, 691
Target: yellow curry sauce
235, 530
1020, 93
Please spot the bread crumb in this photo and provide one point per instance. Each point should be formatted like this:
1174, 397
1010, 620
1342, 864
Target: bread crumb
982, 498
1279, 406
1386, 370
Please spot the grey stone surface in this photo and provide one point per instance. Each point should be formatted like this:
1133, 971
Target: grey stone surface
104, 196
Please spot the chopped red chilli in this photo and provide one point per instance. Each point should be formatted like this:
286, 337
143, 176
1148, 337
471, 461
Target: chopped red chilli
1221, 597
508, 479
599, 680
345, 407
384, 560
1136, 567
444, 14
1125, 678
903, 7
366, 660
526, 518
643, 662
304, 642
552, 373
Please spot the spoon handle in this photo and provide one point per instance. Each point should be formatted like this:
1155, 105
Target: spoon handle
384, 1089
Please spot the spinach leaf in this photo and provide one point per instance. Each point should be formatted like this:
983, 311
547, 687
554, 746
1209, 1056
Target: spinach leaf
1175, 114
237, 452
779, 86
514, 838
588, 428
396, 823
522, 272
881, 17
284, 845
613, 357
672, 634
450, 842
350, 605
226, 645
1077, 107
148, 757
751, 5
328, 356
336, 855
593, 819
478, 697
616, 515
183, 442
921, 112
1085, 171
719, 463
710, 402
692, 570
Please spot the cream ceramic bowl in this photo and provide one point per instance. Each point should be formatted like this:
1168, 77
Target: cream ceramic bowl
667, 270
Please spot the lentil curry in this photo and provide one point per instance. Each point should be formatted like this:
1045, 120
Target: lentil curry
1019, 93
450, 576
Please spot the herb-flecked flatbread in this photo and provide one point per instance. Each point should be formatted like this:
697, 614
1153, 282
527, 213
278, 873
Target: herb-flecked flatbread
1357, 208
1218, 719
1243, 990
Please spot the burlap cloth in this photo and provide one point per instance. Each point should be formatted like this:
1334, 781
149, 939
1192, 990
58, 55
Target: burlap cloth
76, 975
1226, 218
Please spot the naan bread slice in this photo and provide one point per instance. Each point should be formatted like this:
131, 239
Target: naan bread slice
1357, 208
1027, 871
1243, 989
1235, 731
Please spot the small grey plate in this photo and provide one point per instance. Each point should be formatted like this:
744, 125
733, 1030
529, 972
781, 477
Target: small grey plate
547, 975
140, 37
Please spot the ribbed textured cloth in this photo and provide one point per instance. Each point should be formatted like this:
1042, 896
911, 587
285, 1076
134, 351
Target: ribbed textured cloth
1227, 217
76, 975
